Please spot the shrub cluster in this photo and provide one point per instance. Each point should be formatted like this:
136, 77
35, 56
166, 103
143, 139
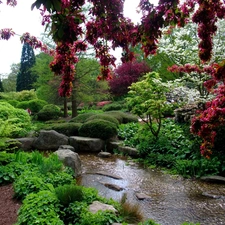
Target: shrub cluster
49, 112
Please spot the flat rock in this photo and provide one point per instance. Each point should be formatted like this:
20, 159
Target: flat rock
112, 186
104, 154
109, 175
142, 196
213, 179
209, 195
97, 206
67, 147
86, 144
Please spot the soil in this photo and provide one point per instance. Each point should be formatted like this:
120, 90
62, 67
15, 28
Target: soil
8, 206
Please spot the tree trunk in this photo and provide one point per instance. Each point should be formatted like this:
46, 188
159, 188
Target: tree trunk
65, 109
74, 101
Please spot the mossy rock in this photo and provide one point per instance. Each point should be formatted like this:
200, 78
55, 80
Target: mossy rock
98, 128
69, 129
106, 117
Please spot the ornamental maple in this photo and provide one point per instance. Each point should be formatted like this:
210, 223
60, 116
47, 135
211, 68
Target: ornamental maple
126, 74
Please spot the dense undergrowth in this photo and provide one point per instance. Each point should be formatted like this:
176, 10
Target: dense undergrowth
50, 194
175, 149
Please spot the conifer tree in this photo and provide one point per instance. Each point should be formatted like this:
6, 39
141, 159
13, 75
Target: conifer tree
1, 86
25, 77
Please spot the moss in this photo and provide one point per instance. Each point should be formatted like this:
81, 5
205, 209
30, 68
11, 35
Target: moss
98, 128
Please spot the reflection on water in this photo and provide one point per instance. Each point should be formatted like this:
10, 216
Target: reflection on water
173, 200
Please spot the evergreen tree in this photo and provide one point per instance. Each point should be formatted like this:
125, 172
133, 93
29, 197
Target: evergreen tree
1, 86
25, 77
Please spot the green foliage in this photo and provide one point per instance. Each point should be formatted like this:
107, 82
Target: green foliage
111, 107
28, 182
197, 168
72, 213
123, 117
81, 118
99, 218
147, 99
127, 132
148, 222
69, 193
34, 105
103, 116
49, 112
50, 165
25, 95
69, 129
40, 208
59, 178
90, 194
6, 158
13, 102
98, 128
7, 174
13, 122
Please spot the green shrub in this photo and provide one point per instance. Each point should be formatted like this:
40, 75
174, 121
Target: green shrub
28, 182
123, 117
81, 118
98, 129
49, 112
127, 132
6, 158
34, 105
59, 178
111, 107
13, 122
26, 95
40, 208
51, 164
197, 168
104, 117
69, 193
72, 213
13, 102
98, 218
69, 129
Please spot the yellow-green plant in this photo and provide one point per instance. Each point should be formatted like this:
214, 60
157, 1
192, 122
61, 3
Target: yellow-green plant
147, 99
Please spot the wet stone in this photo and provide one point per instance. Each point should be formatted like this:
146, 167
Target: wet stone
142, 196
112, 186
104, 154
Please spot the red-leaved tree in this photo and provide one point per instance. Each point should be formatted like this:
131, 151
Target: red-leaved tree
108, 25
126, 74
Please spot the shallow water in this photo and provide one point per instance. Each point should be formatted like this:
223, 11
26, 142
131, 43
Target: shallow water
173, 200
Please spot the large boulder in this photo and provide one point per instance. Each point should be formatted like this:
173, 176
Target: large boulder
86, 144
26, 143
49, 140
185, 114
70, 159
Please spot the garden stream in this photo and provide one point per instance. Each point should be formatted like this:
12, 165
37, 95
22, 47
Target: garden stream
173, 200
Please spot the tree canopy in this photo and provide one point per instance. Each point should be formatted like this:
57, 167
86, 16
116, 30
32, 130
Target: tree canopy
107, 27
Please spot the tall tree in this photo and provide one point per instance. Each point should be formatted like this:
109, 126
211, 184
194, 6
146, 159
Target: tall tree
1, 86
25, 78
9, 83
